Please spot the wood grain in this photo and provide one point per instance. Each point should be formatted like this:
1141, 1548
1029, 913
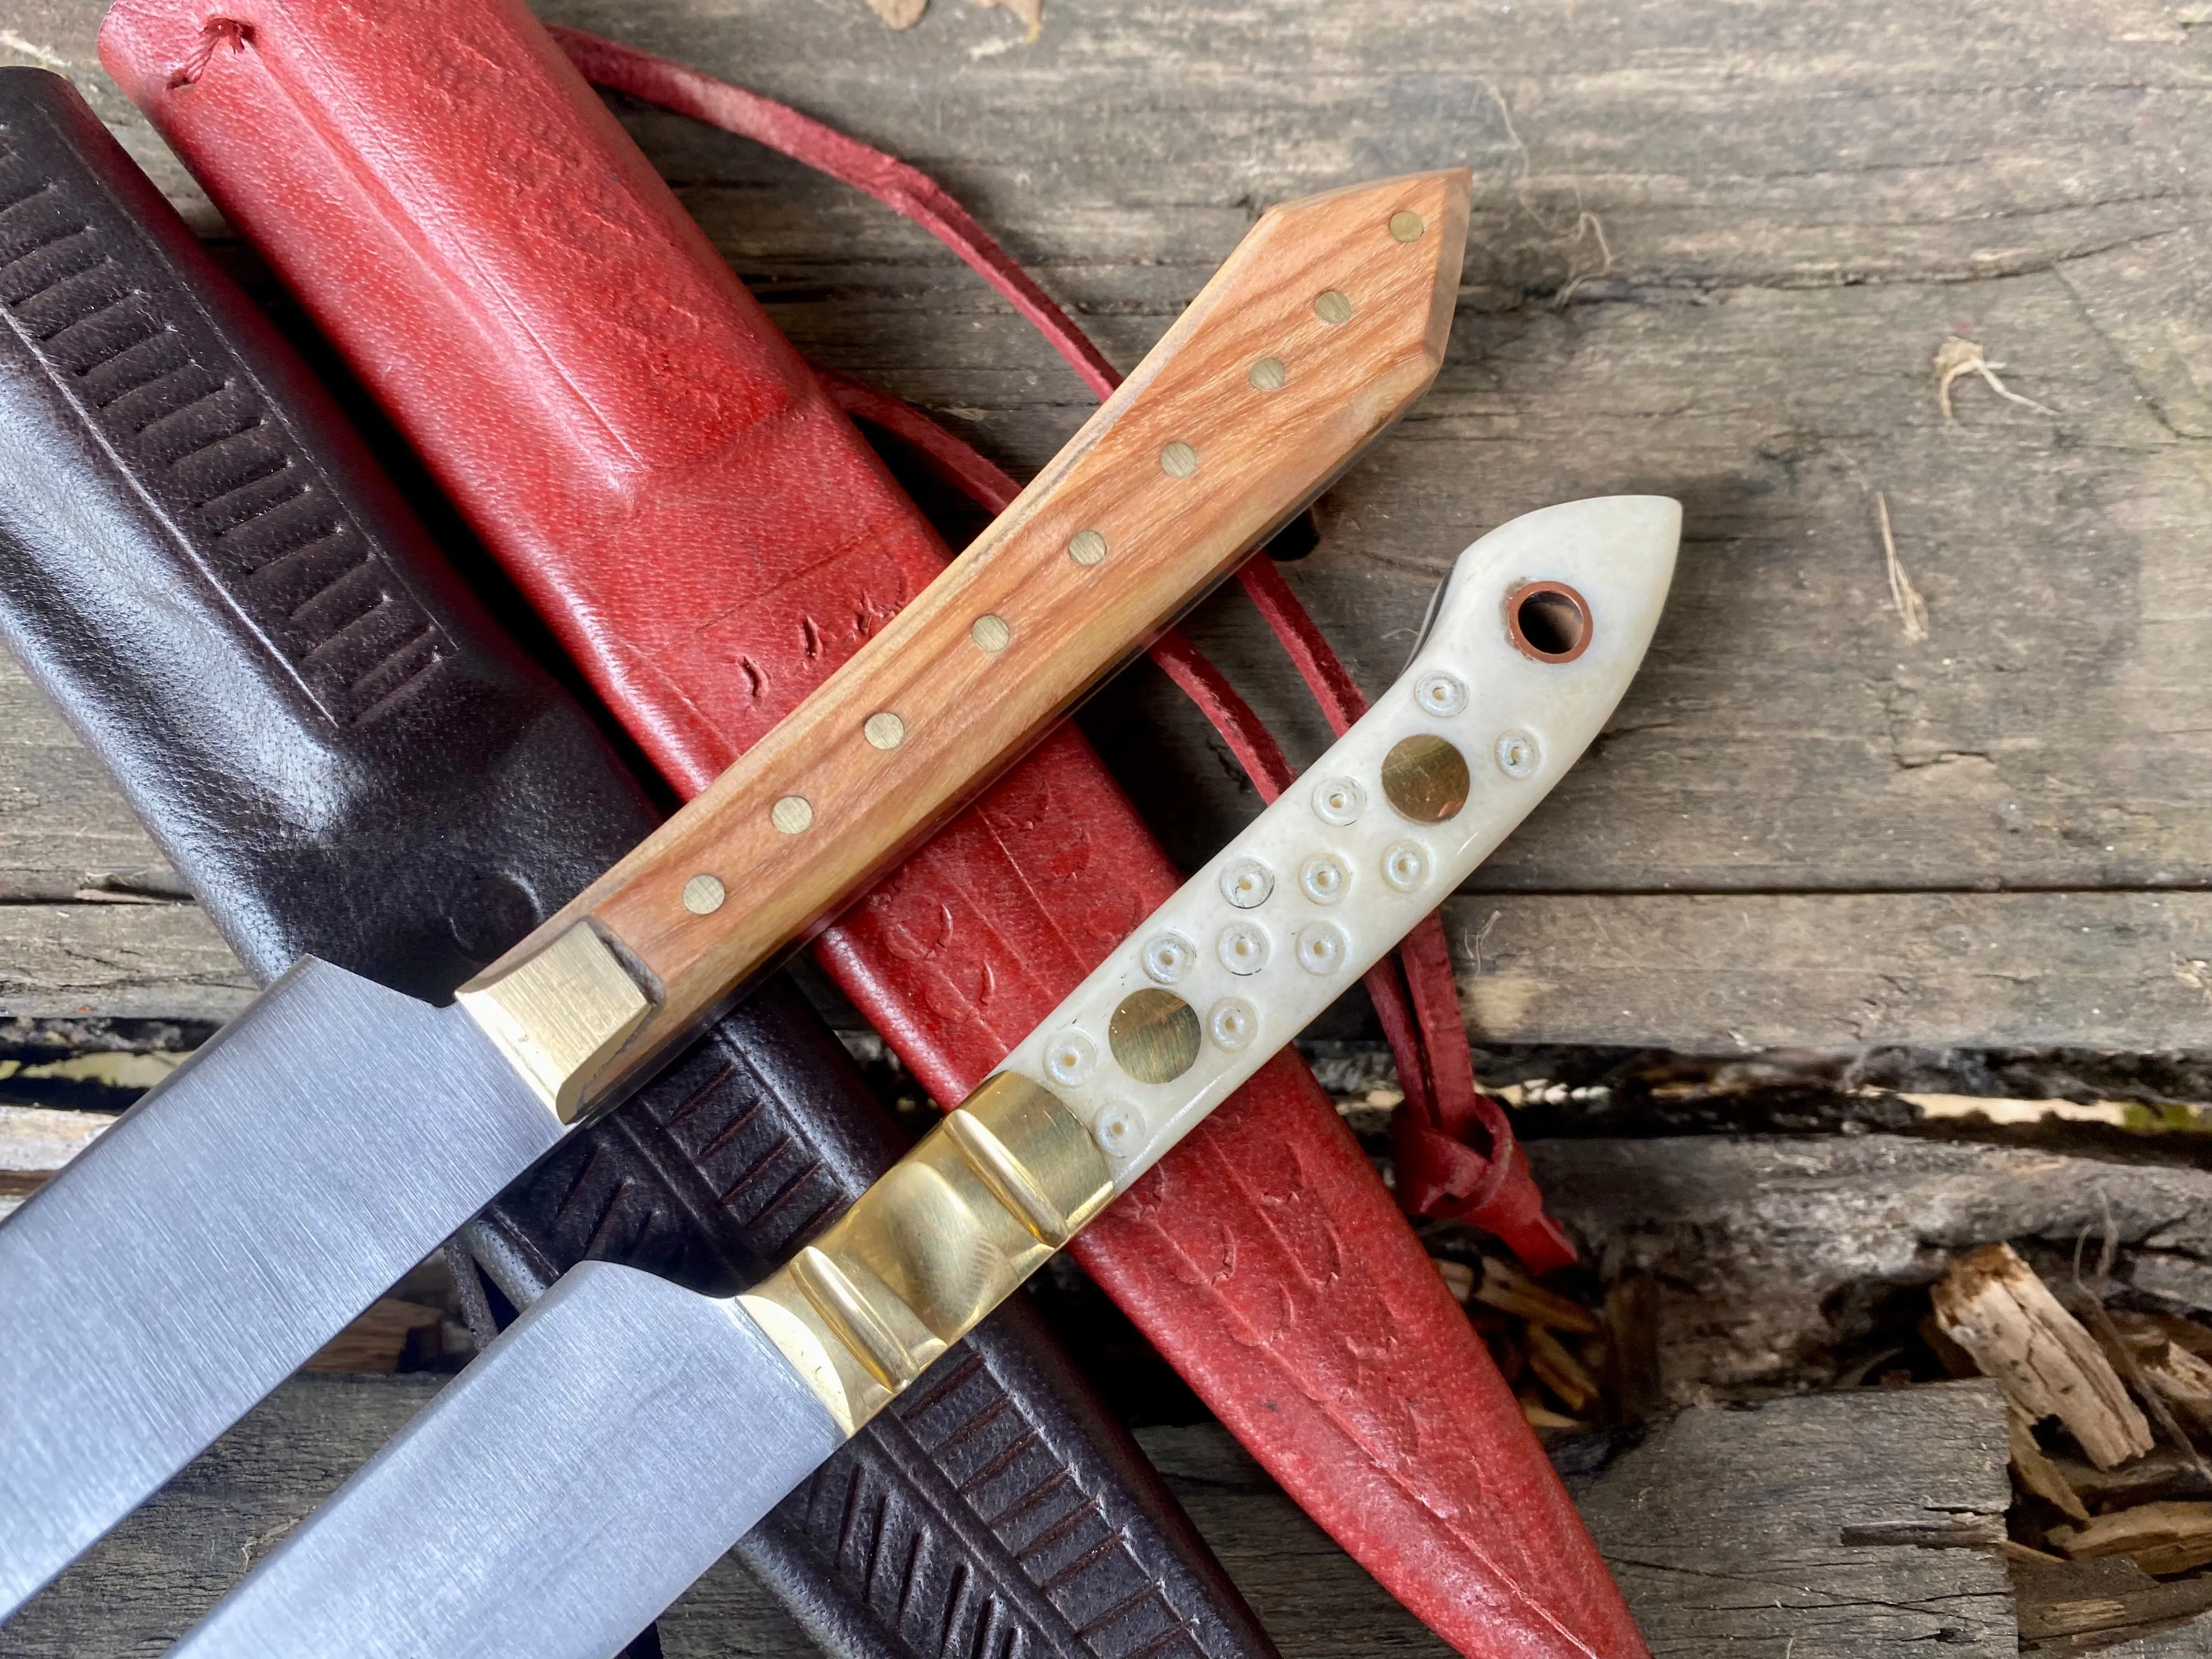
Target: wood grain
1845, 1526
1186, 467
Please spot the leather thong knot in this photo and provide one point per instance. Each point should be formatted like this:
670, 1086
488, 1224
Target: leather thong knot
1455, 1155
213, 34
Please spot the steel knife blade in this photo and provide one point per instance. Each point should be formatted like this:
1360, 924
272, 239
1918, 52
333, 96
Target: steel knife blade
335, 1132
636, 1430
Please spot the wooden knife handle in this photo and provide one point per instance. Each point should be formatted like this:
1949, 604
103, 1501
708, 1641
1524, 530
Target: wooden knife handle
1327, 322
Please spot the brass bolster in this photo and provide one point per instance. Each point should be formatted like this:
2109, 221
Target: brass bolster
946, 1235
560, 1016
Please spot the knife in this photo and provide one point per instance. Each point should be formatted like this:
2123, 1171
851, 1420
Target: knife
413, 873
331, 1136
612, 1443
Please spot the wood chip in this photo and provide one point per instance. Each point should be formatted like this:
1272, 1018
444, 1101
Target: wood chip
1541, 1416
1511, 1291
1993, 1304
1458, 1278
2078, 1607
2160, 1538
2180, 1377
2037, 1471
899, 13
1557, 1370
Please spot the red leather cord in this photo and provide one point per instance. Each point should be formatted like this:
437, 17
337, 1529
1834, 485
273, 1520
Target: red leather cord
1454, 1150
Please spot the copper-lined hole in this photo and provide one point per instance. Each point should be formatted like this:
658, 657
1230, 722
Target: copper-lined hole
1549, 621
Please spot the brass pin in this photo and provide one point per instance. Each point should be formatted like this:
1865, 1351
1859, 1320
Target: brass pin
703, 895
1268, 374
1154, 1036
794, 815
991, 633
1425, 778
883, 729
1333, 307
1178, 460
1086, 547
1406, 226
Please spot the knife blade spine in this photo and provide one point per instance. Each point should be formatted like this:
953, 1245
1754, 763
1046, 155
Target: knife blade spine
1519, 671
1178, 475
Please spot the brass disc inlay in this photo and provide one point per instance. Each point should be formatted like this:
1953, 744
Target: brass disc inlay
884, 730
1178, 460
1333, 307
1154, 1036
1426, 779
991, 633
794, 815
1086, 547
703, 895
1406, 226
1268, 374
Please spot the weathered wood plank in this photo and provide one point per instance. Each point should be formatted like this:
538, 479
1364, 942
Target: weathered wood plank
126, 961
1788, 211
1771, 1258
1716, 973
1854, 1525
64, 826
1804, 1522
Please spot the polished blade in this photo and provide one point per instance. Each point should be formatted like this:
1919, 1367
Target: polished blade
574, 1481
201, 1250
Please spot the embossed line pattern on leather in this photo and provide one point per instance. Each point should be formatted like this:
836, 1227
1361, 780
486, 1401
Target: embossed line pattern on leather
708, 1177
142, 369
966, 1429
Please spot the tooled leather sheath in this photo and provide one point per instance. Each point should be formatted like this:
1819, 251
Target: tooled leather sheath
709, 537
343, 755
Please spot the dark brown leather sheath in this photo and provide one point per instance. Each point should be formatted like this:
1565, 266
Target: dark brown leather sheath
344, 756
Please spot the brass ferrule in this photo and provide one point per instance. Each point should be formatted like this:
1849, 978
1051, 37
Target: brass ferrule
947, 1234
559, 1016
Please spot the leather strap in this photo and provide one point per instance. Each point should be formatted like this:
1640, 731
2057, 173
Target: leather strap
376, 157
200, 561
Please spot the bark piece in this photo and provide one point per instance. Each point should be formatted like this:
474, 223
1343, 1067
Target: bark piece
1993, 1304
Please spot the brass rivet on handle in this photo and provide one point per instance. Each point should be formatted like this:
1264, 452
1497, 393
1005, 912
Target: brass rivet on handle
794, 815
1425, 778
1333, 307
1154, 1036
703, 895
991, 633
1406, 226
883, 729
1086, 547
1268, 374
1178, 460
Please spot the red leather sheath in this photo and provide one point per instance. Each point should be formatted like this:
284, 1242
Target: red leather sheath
669, 483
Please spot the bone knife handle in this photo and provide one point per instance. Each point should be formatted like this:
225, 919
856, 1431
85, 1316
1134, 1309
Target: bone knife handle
1327, 321
1534, 639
